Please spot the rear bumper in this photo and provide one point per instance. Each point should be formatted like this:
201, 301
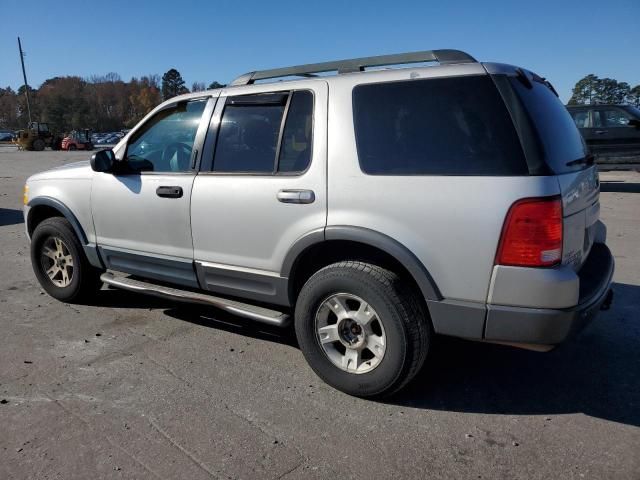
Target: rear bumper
545, 326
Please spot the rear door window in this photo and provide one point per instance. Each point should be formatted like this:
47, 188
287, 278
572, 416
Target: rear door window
441, 126
265, 134
248, 138
295, 148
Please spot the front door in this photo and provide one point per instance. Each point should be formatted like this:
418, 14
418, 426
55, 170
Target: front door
611, 132
141, 210
262, 189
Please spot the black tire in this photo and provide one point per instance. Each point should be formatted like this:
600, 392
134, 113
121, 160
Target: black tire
72, 147
38, 145
84, 279
406, 325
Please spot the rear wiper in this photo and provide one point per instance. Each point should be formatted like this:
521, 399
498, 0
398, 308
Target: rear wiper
588, 160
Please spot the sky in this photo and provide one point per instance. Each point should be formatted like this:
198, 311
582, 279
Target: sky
562, 40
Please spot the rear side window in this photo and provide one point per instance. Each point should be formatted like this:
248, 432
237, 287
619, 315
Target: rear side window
560, 138
442, 126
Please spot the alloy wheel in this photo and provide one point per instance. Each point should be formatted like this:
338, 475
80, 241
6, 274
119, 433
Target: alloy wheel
350, 333
57, 262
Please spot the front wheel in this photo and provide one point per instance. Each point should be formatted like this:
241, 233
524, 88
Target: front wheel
60, 264
362, 328
38, 145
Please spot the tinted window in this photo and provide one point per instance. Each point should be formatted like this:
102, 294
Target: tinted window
445, 126
611, 118
295, 153
581, 118
248, 138
165, 141
557, 132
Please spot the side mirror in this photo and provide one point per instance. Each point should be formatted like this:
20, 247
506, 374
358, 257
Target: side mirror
634, 122
103, 160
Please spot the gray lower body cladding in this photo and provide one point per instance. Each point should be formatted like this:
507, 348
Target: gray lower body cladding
552, 326
541, 326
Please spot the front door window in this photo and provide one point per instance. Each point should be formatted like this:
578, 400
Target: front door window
165, 142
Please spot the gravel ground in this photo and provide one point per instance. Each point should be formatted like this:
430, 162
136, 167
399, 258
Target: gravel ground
133, 387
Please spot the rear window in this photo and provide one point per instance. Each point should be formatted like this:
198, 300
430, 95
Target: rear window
442, 126
558, 134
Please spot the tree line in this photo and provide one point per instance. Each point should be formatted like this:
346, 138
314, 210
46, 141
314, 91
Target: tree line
107, 103
593, 90
102, 103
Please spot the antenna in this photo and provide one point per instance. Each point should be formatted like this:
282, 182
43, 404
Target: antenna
24, 75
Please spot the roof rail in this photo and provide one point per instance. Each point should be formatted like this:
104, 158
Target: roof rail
357, 65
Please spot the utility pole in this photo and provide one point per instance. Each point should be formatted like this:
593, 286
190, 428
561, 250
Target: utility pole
24, 75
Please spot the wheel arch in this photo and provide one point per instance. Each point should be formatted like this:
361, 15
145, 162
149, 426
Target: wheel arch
41, 208
322, 247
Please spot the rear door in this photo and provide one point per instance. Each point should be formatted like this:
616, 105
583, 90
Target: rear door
611, 131
261, 188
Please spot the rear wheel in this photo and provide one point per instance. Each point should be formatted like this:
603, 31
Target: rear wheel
72, 147
362, 328
60, 264
38, 145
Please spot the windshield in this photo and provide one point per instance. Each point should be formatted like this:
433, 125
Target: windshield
563, 145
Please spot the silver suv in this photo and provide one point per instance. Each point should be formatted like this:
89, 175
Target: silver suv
376, 207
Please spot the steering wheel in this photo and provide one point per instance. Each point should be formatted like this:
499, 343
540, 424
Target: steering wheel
177, 155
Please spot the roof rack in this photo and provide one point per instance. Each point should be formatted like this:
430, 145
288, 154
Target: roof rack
357, 65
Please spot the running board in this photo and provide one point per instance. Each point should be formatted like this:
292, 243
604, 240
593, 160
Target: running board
252, 312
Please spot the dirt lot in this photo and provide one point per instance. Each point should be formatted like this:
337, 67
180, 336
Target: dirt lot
132, 387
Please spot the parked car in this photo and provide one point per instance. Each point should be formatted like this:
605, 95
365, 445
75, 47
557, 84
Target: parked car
108, 138
374, 208
610, 130
7, 136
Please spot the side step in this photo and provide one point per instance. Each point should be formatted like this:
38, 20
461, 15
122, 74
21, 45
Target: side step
252, 312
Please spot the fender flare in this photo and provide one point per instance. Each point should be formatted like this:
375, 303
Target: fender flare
63, 209
370, 237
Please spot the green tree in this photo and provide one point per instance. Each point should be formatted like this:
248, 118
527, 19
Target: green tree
593, 90
214, 85
585, 91
64, 103
634, 96
8, 108
172, 84
610, 90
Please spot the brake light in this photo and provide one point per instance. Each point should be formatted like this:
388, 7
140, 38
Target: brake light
532, 233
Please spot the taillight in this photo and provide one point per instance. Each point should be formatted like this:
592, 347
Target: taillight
532, 233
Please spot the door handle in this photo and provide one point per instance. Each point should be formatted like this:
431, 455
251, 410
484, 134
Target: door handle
601, 132
169, 192
296, 196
